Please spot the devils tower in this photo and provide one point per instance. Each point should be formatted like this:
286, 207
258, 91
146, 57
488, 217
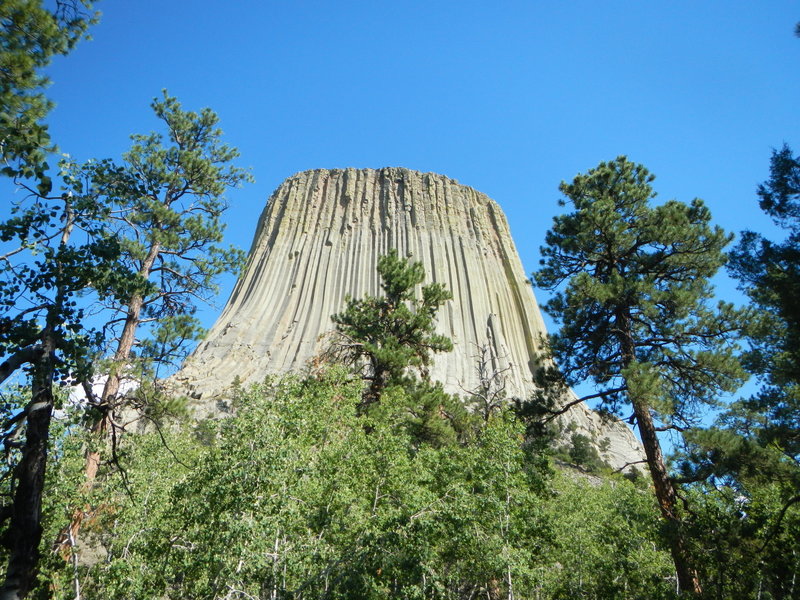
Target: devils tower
319, 239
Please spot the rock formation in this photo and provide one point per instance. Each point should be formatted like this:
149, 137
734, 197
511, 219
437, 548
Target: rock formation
319, 239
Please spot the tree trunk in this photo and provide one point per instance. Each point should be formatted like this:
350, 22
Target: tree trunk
25, 527
121, 356
128, 337
112, 386
688, 579
110, 390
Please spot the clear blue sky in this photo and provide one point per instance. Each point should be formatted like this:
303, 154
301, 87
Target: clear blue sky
507, 97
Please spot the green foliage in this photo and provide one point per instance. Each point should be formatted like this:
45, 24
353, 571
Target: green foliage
769, 273
582, 452
646, 269
167, 199
293, 497
750, 458
52, 249
141, 239
570, 447
31, 36
636, 318
63, 474
607, 543
106, 507
395, 332
121, 246
426, 413
306, 503
388, 338
57, 252
749, 540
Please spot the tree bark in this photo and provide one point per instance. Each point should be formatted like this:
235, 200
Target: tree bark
25, 527
112, 386
688, 579
110, 390
20, 357
128, 336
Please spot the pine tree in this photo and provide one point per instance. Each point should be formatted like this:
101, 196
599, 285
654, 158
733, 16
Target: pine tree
753, 449
135, 244
31, 35
394, 333
635, 313
166, 202
390, 341
769, 273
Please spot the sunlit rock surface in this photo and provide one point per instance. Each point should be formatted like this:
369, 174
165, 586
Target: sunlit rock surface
319, 239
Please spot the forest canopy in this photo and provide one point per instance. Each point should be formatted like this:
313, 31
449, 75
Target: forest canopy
365, 478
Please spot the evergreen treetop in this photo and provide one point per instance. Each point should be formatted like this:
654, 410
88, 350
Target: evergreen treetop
395, 332
635, 314
638, 276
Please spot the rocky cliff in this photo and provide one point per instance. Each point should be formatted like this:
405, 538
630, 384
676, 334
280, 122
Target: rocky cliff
318, 240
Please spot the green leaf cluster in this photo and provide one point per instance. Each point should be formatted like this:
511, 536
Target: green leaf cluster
608, 542
746, 538
31, 36
122, 248
294, 497
59, 254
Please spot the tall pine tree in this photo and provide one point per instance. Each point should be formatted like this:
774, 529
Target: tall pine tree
754, 447
166, 200
632, 293
769, 273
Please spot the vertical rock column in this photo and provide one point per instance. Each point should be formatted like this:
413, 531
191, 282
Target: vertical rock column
319, 240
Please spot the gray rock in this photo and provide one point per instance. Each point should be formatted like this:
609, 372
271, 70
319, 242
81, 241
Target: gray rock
319, 239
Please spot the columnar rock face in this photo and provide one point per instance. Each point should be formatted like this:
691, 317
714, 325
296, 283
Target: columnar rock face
319, 239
